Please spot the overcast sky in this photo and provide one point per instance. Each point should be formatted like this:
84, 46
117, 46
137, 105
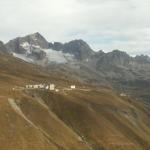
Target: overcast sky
104, 24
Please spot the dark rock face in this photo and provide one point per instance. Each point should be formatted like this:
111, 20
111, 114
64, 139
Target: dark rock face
119, 65
114, 58
37, 39
80, 49
34, 39
56, 46
14, 46
3, 48
29, 45
142, 59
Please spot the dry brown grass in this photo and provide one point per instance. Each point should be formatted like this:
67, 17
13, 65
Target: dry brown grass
101, 118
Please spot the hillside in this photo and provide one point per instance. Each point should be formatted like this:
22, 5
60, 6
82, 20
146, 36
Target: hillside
89, 117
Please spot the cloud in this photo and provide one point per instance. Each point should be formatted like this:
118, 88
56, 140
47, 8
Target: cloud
105, 24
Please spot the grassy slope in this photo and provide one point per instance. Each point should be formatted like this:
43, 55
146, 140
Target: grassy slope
102, 118
74, 120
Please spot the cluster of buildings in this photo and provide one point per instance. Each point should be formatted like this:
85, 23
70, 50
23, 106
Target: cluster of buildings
41, 86
123, 95
50, 87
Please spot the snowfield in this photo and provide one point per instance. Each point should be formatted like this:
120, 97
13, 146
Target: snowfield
23, 57
57, 56
26, 46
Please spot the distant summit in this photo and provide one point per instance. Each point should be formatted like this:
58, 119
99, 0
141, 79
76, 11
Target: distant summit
35, 39
142, 58
28, 47
79, 48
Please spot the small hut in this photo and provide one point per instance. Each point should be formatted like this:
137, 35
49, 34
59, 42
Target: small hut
72, 86
52, 87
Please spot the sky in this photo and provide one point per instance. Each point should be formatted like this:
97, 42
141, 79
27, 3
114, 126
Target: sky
104, 24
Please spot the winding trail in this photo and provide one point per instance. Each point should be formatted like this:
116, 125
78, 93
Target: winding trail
17, 109
19, 112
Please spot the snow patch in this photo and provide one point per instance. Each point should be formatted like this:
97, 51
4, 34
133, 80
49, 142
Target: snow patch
23, 57
30, 47
57, 56
26, 46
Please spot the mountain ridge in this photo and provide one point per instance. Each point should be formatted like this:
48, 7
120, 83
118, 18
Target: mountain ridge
59, 46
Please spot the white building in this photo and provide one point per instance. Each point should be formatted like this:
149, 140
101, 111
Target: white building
56, 90
30, 86
72, 86
123, 95
35, 86
27, 86
52, 87
46, 87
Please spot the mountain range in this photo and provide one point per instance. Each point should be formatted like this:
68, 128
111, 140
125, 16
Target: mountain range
116, 68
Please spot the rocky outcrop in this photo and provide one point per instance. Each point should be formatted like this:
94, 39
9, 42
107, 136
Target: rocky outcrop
30, 46
3, 48
56, 46
142, 59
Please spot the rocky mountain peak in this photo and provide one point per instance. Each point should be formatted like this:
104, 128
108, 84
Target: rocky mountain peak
79, 44
20, 44
37, 39
118, 57
79, 48
142, 58
28, 47
114, 58
36, 36
119, 53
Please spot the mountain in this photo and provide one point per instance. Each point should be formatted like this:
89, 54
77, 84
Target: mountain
87, 118
143, 59
79, 48
115, 58
116, 64
20, 44
35, 48
116, 68
28, 47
